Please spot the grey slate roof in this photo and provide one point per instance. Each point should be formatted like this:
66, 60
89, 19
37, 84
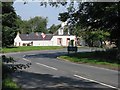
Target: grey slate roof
35, 37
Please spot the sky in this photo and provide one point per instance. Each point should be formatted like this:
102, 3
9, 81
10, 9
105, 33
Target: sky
32, 9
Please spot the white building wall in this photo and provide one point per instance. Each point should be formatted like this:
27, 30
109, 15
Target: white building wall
64, 40
42, 43
52, 42
17, 41
25, 42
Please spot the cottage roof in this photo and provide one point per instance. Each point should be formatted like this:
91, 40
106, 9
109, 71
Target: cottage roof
35, 36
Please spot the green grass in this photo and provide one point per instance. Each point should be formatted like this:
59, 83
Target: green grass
91, 58
8, 84
29, 48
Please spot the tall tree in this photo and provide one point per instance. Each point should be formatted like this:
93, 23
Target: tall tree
54, 28
93, 16
8, 24
0, 25
36, 24
101, 16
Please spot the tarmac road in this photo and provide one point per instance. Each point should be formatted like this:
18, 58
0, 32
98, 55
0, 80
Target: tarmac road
48, 72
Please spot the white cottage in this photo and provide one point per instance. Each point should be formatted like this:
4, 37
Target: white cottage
41, 39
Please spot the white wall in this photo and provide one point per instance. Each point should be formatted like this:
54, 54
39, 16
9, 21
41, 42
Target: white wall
52, 42
25, 42
17, 40
64, 40
42, 43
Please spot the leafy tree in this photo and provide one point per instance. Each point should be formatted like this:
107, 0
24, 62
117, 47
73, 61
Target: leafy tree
94, 16
8, 15
54, 28
0, 25
63, 16
54, 4
68, 16
96, 38
36, 24
8, 24
101, 16
23, 26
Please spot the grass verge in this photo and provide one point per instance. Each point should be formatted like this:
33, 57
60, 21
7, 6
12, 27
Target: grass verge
92, 59
29, 48
8, 84
8, 68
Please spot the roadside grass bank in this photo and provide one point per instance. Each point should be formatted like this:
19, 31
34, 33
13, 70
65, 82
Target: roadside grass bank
9, 84
8, 68
29, 48
106, 59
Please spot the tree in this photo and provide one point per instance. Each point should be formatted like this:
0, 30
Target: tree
0, 25
94, 16
96, 38
54, 28
101, 16
68, 16
63, 16
36, 24
8, 24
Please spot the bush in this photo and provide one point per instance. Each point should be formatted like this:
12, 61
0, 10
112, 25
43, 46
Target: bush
110, 55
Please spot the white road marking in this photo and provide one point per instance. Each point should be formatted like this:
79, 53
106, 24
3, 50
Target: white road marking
26, 59
24, 55
96, 82
29, 55
47, 66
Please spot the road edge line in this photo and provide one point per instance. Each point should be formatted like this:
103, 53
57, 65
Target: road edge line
110, 86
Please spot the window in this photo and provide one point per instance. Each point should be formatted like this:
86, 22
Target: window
59, 41
67, 41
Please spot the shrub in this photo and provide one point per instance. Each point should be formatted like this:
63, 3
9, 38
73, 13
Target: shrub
110, 55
